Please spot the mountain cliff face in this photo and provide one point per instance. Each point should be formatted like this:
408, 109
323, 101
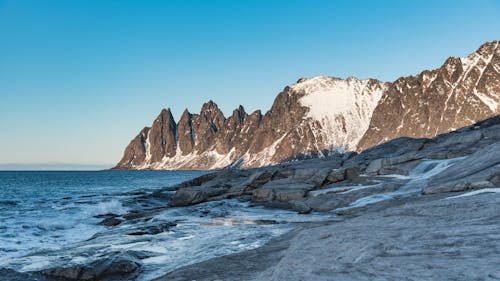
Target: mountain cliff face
459, 93
322, 115
312, 117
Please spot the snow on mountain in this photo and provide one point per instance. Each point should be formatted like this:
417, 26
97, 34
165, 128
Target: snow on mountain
321, 115
459, 93
343, 108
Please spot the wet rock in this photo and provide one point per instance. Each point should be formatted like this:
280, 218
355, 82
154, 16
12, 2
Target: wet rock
263, 222
105, 215
12, 275
70, 273
111, 221
135, 214
344, 196
120, 266
154, 229
188, 196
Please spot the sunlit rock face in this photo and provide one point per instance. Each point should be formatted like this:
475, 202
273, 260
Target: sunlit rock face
317, 116
459, 93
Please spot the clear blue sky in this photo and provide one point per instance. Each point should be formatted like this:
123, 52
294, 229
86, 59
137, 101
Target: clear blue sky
79, 79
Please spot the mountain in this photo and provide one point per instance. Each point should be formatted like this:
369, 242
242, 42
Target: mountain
324, 115
459, 93
299, 124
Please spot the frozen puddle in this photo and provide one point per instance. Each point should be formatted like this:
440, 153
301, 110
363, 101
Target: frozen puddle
418, 178
202, 232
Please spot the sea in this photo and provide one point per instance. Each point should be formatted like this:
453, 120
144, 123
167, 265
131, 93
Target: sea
51, 218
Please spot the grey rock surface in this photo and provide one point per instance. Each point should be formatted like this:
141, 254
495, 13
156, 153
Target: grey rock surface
430, 239
339, 181
119, 267
473, 172
426, 238
401, 208
399, 234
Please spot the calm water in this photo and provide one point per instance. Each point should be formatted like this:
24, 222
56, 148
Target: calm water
43, 210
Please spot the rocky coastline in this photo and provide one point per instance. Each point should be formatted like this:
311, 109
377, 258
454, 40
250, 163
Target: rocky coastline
413, 209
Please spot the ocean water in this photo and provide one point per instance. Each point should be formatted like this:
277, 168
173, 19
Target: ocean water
51, 219
44, 210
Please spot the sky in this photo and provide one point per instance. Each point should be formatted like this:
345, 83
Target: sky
79, 79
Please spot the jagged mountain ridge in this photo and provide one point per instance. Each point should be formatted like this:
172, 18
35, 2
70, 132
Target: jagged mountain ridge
321, 115
461, 92
209, 140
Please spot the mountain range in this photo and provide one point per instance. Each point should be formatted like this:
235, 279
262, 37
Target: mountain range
321, 116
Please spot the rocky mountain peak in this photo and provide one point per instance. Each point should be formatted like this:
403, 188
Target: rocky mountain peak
209, 107
459, 93
238, 115
321, 115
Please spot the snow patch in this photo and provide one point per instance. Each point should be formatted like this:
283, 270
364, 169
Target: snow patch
147, 146
476, 192
343, 108
488, 101
264, 156
418, 179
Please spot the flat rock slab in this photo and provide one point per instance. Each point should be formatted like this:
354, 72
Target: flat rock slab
429, 238
239, 267
471, 173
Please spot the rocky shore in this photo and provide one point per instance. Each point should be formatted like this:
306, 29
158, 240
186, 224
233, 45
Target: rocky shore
428, 238
413, 209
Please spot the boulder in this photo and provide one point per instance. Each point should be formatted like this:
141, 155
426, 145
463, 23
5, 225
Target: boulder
288, 194
300, 206
197, 194
391, 163
263, 195
199, 180
188, 196
336, 175
314, 175
69, 273
111, 221
120, 266
135, 214
283, 190
153, 229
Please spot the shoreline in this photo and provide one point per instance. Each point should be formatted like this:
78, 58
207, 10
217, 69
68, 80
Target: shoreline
380, 243
397, 215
